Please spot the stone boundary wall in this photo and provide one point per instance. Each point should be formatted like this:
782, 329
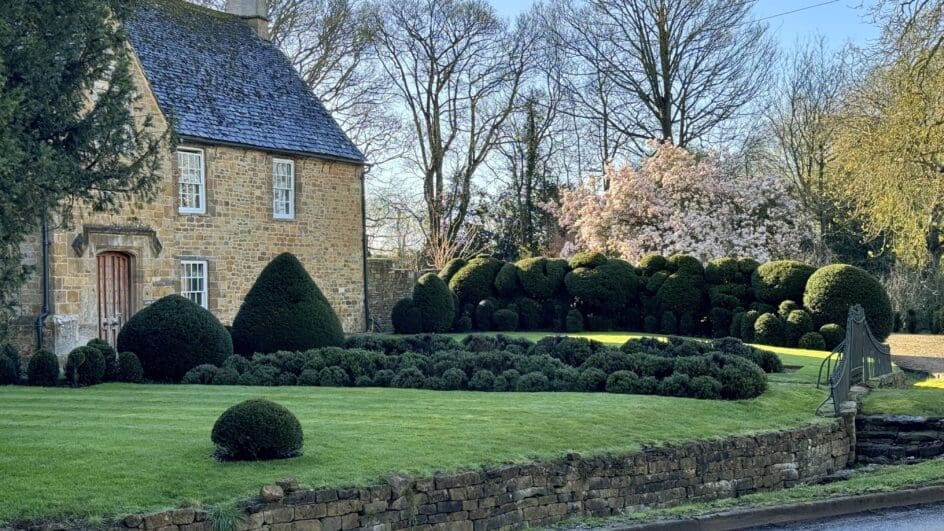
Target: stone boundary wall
890, 439
386, 284
518, 496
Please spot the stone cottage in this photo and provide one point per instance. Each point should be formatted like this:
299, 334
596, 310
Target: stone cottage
261, 168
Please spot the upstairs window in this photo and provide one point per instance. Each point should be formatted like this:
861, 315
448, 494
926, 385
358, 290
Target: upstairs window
194, 282
192, 183
283, 189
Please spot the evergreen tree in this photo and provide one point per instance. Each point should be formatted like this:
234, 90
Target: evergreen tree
68, 135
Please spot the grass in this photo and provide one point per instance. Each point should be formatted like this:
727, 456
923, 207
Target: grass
115, 449
921, 397
883, 479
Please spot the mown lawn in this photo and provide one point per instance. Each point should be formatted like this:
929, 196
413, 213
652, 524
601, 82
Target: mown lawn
115, 449
921, 397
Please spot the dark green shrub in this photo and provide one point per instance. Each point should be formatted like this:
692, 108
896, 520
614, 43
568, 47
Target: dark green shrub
453, 379
748, 266
599, 323
484, 314
768, 330
309, 377
798, 322
85, 366
257, 430
653, 263
765, 359
677, 384
656, 280
406, 317
722, 270
507, 380
812, 341
409, 377
506, 281
762, 308
740, 379
588, 260
833, 289
201, 374
505, 320
129, 368
109, 355
226, 376
898, 324
574, 321
626, 382
781, 280
475, 281
747, 325
9, 365
668, 325
238, 363
248, 378
284, 310
433, 299
266, 375
591, 380
651, 324
43, 369
541, 277
383, 378
530, 313
736, 321
686, 264
681, 293
483, 380
452, 267
786, 307
721, 319
333, 376
686, 324
609, 288
463, 324
533, 382
364, 381
706, 388
286, 379
172, 336
833, 335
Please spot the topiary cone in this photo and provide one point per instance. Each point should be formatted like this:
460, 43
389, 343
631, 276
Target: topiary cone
285, 310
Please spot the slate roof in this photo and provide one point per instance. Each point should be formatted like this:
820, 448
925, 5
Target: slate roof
221, 83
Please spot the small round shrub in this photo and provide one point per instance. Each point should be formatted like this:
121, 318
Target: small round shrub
706, 388
85, 366
453, 379
506, 281
226, 376
476, 280
722, 270
833, 335
574, 321
505, 320
686, 324
740, 378
383, 378
678, 384
721, 319
812, 341
257, 430
626, 382
452, 267
409, 377
686, 264
284, 310
533, 382
681, 293
507, 380
463, 324
780, 280
797, 323
736, 321
786, 307
309, 377
333, 376
43, 369
9, 365
530, 313
833, 289
747, 325
248, 378
266, 375
172, 336
482, 380
656, 280
653, 263
588, 260
591, 380
651, 324
434, 300
484, 314
668, 324
364, 381
768, 330
129, 368
406, 317
608, 287
541, 277
109, 355
201, 374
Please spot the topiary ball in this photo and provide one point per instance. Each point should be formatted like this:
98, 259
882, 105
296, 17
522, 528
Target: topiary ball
451, 268
723, 270
109, 355
484, 312
432, 298
257, 430
533, 382
587, 260
506, 281
781, 280
541, 277
476, 280
128, 369
812, 341
482, 380
591, 380
797, 323
622, 382
284, 310
9, 365
653, 263
686, 264
406, 317
505, 320
574, 321
43, 369
769, 330
833, 289
609, 287
833, 335
85, 366
681, 293
174, 335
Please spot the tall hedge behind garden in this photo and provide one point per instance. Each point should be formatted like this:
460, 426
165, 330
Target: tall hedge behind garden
783, 302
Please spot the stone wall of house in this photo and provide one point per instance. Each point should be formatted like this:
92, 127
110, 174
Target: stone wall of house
237, 236
519, 496
895, 438
386, 284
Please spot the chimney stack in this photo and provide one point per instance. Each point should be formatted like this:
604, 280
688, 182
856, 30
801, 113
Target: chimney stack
254, 12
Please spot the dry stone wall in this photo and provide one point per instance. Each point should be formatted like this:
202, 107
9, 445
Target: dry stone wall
890, 439
518, 496
386, 284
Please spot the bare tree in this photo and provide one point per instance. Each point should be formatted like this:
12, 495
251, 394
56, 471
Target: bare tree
457, 71
674, 70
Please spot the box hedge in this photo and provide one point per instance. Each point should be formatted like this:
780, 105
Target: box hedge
833, 289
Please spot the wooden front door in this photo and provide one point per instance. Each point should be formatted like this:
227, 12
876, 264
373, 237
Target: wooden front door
114, 292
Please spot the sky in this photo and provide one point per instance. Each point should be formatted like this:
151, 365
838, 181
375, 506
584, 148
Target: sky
840, 21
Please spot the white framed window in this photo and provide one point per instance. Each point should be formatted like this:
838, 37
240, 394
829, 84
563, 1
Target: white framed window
283, 189
194, 281
192, 183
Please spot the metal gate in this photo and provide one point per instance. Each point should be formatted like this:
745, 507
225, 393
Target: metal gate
114, 304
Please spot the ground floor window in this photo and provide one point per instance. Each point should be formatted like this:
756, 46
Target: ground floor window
194, 281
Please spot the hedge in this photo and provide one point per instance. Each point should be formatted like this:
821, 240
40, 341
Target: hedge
43, 369
833, 289
9, 365
781, 280
285, 310
475, 280
406, 317
431, 296
541, 278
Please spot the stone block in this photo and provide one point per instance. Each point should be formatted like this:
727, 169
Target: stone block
279, 515
306, 525
182, 516
157, 520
